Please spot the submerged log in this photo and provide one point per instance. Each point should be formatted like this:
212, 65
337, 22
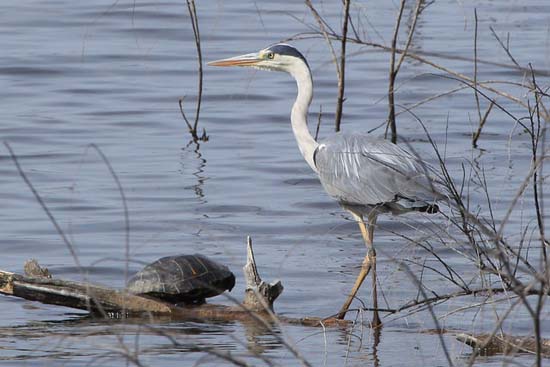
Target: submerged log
38, 285
258, 295
83, 296
33, 269
488, 344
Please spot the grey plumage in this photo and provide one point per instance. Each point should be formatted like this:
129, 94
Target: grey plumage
360, 170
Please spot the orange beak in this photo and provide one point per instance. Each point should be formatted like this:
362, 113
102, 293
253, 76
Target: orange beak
242, 60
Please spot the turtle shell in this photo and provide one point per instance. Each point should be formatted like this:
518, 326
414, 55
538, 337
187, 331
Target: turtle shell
182, 279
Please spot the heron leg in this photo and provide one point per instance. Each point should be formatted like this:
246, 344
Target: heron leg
369, 263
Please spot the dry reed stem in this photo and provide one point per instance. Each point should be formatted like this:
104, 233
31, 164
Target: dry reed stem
423, 60
475, 69
506, 47
319, 118
196, 34
394, 69
342, 75
393, 74
323, 25
482, 121
44, 207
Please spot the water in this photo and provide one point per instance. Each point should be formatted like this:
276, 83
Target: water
111, 73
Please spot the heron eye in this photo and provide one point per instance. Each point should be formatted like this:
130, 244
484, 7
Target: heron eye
270, 55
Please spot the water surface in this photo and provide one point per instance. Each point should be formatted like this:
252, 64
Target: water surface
111, 73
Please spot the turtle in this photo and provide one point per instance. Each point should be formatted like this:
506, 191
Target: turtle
187, 279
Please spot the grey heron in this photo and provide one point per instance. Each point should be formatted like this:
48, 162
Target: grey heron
367, 176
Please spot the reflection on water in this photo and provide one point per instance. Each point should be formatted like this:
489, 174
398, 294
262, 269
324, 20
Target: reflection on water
111, 73
164, 334
194, 147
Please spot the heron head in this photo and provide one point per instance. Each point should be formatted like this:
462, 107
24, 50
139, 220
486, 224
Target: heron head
279, 57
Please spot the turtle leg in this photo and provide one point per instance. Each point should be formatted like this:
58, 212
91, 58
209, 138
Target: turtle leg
369, 263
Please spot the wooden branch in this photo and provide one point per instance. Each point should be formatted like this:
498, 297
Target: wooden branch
38, 285
196, 33
393, 74
488, 344
418, 57
394, 69
259, 295
78, 295
482, 121
342, 75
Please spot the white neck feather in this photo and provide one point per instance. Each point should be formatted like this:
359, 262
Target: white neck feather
298, 117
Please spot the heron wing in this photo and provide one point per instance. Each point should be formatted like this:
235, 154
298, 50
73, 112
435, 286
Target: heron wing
361, 170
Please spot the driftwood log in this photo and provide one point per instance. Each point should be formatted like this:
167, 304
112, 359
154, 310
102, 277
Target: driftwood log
257, 307
489, 344
38, 285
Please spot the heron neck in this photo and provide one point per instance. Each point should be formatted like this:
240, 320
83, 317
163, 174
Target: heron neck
298, 117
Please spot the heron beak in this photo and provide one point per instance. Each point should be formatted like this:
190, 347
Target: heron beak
242, 60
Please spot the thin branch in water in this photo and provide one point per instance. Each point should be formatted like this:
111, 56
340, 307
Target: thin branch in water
506, 47
467, 81
457, 75
475, 70
432, 313
322, 29
339, 68
194, 136
342, 75
482, 122
391, 84
195, 24
124, 205
319, 117
537, 186
416, 14
189, 126
196, 33
536, 134
394, 69
44, 206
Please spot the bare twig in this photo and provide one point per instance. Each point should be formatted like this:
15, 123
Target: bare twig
195, 25
536, 135
65, 239
394, 69
534, 117
440, 298
319, 117
323, 31
475, 70
341, 76
432, 313
462, 77
506, 47
482, 122
124, 205
420, 53
323, 25
416, 14
393, 74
